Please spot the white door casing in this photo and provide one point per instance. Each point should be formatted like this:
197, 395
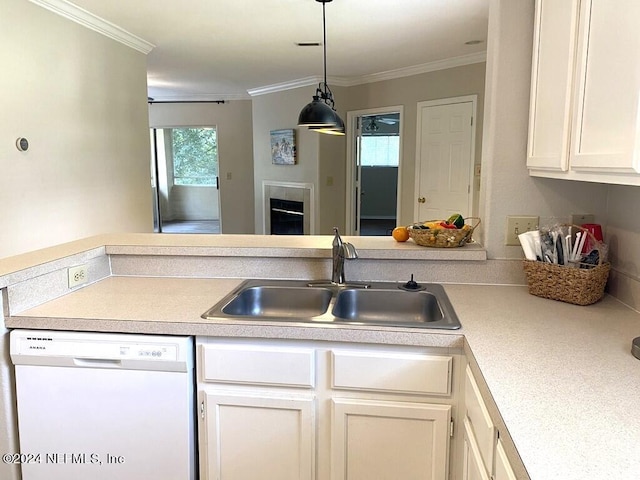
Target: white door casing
352, 194
445, 153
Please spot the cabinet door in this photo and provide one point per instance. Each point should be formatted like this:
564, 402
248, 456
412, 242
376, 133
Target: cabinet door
270, 438
388, 440
473, 467
607, 100
554, 46
478, 417
503, 467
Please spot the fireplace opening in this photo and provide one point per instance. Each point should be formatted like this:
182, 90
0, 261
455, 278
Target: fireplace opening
287, 217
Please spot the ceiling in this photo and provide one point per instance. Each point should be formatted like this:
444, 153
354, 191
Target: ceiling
230, 49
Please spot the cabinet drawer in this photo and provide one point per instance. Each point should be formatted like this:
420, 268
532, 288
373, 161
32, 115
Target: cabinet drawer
259, 365
478, 415
391, 372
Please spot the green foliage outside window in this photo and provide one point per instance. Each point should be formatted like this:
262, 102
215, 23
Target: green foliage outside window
195, 156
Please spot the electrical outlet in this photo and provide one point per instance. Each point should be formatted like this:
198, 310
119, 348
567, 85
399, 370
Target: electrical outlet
78, 275
579, 219
518, 225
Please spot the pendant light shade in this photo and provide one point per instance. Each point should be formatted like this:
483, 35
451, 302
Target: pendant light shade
320, 115
317, 114
338, 129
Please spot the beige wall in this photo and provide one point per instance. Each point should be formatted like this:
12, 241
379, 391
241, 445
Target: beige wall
322, 158
408, 91
332, 171
275, 112
80, 100
233, 121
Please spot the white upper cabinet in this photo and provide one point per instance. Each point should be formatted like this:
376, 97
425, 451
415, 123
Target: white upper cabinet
585, 91
554, 49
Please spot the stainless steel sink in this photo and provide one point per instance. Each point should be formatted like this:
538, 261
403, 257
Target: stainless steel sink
382, 304
279, 301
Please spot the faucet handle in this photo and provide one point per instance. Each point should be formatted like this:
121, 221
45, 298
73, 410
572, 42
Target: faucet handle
348, 251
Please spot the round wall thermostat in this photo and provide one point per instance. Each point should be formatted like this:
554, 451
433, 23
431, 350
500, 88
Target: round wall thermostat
22, 144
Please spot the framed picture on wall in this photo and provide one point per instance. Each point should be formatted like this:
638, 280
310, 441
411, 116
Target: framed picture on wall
283, 147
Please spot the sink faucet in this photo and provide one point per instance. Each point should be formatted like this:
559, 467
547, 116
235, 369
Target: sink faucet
340, 251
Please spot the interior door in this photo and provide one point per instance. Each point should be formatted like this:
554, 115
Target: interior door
444, 158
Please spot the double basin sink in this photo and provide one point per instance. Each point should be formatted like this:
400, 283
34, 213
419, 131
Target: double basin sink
373, 304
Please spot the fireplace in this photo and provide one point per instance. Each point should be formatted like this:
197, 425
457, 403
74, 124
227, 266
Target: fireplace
287, 217
290, 205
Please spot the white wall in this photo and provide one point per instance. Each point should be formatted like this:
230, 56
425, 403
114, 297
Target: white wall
80, 100
507, 188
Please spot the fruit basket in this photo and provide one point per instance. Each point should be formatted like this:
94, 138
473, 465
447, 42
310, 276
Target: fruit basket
431, 234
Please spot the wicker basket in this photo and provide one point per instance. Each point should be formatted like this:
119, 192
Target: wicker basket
580, 286
444, 237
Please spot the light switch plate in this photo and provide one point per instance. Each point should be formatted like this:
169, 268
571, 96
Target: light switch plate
517, 225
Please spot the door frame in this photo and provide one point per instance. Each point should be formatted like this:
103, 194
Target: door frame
155, 168
474, 115
351, 131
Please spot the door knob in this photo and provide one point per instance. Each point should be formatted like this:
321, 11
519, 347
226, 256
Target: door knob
421, 199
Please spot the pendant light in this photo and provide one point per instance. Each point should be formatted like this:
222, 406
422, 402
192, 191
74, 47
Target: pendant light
337, 130
320, 115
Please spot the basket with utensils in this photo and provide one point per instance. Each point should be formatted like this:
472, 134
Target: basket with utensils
578, 282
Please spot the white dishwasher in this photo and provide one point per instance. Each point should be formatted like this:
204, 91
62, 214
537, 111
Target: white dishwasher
104, 406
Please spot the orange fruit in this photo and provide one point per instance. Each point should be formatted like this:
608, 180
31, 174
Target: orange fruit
400, 234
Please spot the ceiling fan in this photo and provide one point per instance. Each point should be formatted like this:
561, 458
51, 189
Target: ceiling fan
372, 122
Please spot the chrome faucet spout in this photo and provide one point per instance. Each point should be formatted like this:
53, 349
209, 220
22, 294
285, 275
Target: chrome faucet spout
340, 251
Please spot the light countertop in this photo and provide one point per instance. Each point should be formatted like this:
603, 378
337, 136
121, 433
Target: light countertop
561, 376
16, 268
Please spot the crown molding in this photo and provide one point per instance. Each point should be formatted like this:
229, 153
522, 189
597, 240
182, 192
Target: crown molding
199, 98
374, 77
281, 87
78, 15
423, 68
301, 82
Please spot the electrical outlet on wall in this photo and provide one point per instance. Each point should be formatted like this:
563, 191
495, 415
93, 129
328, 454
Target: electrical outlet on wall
78, 275
580, 218
517, 225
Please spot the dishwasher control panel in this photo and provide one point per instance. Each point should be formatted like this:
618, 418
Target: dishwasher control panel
100, 350
103, 349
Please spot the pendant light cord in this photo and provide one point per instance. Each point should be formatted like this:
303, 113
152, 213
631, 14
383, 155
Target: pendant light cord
324, 44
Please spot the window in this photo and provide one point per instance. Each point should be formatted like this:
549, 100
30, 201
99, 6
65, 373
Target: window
195, 156
380, 151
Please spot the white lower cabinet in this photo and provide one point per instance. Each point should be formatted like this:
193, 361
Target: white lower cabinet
503, 470
263, 437
279, 410
389, 440
484, 457
473, 466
